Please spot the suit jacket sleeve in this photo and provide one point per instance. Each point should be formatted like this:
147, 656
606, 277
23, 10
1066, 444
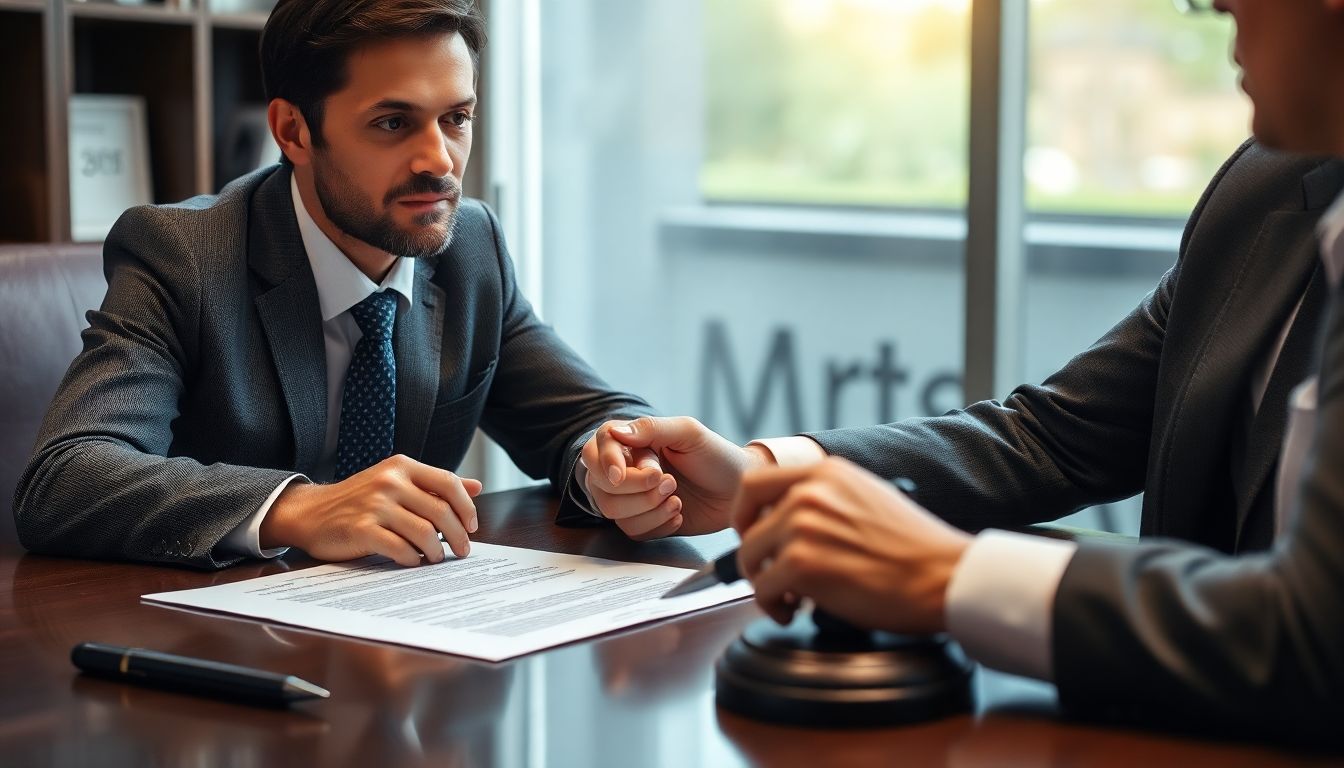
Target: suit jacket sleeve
545, 401
1173, 633
1080, 438
102, 481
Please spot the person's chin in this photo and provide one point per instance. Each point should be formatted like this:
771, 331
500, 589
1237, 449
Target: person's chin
429, 238
1273, 135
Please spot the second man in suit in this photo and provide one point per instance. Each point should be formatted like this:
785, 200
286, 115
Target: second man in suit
1187, 399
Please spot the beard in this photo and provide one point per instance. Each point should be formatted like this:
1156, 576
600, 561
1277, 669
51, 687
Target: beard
358, 217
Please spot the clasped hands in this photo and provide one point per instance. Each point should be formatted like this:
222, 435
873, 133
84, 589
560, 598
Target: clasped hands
831, 531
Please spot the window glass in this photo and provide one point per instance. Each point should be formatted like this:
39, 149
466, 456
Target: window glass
1131, 107
836, 102
727, 196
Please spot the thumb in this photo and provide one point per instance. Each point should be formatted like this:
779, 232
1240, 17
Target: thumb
473, 486
678, 433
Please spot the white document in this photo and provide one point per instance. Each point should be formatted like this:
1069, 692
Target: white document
497, 603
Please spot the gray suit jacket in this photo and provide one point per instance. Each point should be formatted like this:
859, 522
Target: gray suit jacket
1167, 633
201, 384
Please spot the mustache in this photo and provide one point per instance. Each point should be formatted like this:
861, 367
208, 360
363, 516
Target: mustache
426, 185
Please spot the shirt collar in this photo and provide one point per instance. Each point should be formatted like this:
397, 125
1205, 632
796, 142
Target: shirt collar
340, 284
1330, 231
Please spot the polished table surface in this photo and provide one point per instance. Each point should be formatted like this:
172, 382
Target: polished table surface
638, 698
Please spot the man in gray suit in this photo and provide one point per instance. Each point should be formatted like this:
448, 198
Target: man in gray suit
1187, 399
345, 317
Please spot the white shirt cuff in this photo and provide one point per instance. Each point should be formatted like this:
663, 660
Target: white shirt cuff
797, 451
578, 490
245, 538
1001, 600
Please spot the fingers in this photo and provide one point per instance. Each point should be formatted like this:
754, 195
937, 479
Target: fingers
775, 591
761, 488
442, 516
642, 487
614, 466
381, 541
666, 529
450, 488
616, 506
419, 532
678, 433
660, 521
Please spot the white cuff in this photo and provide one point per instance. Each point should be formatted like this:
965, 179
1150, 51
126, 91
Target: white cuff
578, 490
1001, 599
797, 451
245, 538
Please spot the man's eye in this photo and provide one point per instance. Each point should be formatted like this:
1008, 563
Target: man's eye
459, 119
391, 124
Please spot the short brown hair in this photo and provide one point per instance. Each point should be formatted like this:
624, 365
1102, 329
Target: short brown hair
306, 43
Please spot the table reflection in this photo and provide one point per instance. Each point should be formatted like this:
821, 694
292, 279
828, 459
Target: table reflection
389, 705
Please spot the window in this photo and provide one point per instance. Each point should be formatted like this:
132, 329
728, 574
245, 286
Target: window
836, 102
753, 211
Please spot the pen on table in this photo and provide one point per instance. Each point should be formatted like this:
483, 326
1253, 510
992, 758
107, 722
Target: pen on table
189, 675
723, 569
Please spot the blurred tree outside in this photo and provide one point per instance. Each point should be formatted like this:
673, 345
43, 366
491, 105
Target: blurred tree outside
1131, 106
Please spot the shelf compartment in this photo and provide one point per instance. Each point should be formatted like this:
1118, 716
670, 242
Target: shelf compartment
108, 57
25, 187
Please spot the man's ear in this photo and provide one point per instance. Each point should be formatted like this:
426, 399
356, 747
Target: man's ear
290, 131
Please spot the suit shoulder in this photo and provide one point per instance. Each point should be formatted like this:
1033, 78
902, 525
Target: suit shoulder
1267, 177
203, 219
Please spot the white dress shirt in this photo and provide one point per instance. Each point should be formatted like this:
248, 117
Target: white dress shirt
340, 286
1001, 596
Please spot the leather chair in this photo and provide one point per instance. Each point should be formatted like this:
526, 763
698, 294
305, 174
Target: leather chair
44, 292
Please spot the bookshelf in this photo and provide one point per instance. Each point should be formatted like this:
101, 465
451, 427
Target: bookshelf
194, 68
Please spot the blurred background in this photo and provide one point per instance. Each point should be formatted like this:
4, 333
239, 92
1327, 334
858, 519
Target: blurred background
754, 211
751, 211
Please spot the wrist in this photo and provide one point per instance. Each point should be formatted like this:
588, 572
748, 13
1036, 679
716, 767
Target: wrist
277, 529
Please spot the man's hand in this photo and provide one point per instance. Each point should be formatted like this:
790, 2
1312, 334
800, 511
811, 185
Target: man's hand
396, 508
659, 476
850, 541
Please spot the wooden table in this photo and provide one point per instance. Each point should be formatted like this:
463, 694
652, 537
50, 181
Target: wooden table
643, 697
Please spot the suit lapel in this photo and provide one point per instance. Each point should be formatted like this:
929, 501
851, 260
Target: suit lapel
1257, 297
288, 308
1265, 438
418, 346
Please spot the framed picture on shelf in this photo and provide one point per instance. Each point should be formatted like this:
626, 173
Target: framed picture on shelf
109, 162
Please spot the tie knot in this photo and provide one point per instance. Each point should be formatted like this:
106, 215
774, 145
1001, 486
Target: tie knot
376, 315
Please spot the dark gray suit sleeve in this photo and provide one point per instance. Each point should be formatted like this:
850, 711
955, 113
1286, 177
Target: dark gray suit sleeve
101, 482
1079, 438
1172, 633
546, 401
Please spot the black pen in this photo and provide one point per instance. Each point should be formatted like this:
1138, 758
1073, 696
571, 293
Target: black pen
199, 676
723, 570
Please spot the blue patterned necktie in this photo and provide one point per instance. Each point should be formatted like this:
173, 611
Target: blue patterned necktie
369, 405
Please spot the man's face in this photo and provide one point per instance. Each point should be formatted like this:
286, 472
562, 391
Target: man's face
1289, 52
396, 143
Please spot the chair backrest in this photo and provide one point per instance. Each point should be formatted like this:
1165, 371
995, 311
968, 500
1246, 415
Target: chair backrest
44, 292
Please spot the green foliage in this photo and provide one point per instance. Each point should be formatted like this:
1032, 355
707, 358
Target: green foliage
856, 102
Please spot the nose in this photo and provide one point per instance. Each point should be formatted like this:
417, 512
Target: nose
432, 157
